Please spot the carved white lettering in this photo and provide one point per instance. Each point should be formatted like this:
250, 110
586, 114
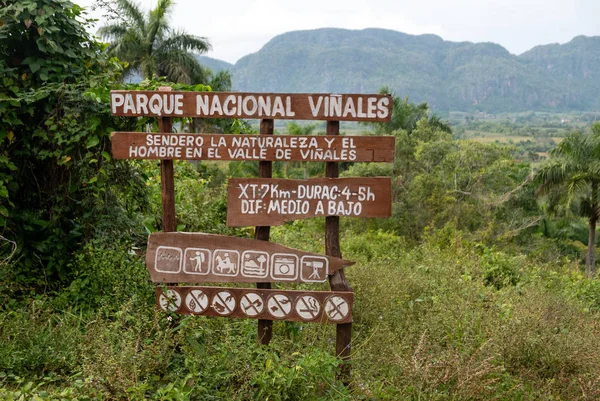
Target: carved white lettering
116, 100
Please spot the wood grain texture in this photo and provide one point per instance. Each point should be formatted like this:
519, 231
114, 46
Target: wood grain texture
167, 179
209, 258
136, 145
279, 106
264, 329
297, 306
338, 281
256, 201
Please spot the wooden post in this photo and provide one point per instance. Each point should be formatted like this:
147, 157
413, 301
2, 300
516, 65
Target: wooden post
167, 183
337, 281
265, 170
165, 125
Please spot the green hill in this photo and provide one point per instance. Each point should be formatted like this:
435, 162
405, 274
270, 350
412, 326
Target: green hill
213, 64
460, 76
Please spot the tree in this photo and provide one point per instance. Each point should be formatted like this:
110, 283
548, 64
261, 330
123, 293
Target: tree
406, 115
152, 47
573, 171
58, 185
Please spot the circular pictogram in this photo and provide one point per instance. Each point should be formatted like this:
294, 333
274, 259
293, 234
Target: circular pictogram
307, 307
252, 304
337, 308
196, 301
279, 306
170, 301
223, 303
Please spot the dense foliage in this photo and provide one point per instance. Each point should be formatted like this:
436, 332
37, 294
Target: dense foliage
573, 174
470, 291
151, 46
59, 184
452, 76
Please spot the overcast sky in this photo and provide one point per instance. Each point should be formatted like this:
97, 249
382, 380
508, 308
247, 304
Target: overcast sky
238, 27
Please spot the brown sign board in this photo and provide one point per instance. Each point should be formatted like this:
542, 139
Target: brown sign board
271, 202
280, 106
298, 306
175, 257
135, 145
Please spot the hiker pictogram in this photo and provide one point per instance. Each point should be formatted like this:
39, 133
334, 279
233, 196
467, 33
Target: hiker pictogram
197, 261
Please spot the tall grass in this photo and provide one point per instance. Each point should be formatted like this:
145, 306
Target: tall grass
445, 320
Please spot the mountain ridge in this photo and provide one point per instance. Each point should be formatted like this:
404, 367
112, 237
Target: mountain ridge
456, 76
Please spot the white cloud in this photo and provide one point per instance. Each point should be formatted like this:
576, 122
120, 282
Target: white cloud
238, 27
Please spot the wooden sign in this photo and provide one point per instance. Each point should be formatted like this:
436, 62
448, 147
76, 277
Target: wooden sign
134, 145
268, 202
203, 258
297, 306
281, 106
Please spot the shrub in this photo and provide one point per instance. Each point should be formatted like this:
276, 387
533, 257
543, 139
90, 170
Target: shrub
499, 269
107, 277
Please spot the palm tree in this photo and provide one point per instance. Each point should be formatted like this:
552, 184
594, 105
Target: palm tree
151, 46
406, 115
573, 170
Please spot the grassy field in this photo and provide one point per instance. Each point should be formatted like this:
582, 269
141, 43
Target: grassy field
489, 137
446, 320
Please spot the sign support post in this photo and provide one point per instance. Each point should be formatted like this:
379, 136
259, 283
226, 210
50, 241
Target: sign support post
261, 202
337, 281
167, 181
265, 170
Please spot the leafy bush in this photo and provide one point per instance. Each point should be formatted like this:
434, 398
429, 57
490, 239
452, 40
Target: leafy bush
107, 277
499, 269
58, 182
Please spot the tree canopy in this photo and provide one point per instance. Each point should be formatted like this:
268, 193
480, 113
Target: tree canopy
573, 173
57, 179
151, 46
406, 115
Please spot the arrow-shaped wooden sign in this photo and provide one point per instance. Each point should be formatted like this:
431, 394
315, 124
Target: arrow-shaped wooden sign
203, 258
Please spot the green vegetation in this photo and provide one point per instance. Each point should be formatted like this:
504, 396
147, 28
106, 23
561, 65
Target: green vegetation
573, 173
449, 76
447, 319
58, 183
473, 290
151, 46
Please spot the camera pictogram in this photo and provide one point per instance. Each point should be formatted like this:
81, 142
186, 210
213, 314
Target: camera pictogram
284, 266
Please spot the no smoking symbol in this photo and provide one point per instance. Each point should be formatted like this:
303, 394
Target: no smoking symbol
307, 307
